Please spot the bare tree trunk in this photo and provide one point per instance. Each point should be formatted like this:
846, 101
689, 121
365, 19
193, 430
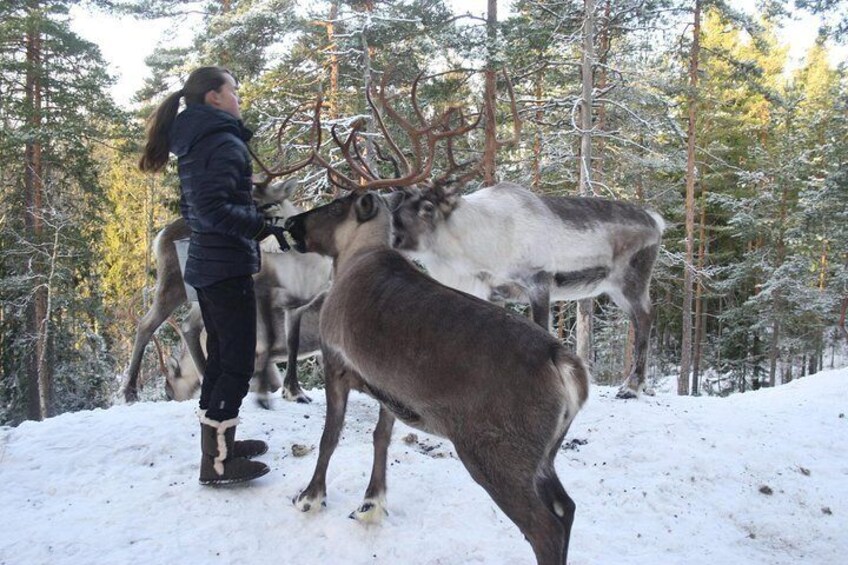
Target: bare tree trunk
537, 136
843, 310
490, 97
603, 52
700, 315
585, 307
366, 79
38, 373
333, 98
225, 59
777, 299
686, 338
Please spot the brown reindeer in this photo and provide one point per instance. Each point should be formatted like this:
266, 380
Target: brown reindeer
498, 386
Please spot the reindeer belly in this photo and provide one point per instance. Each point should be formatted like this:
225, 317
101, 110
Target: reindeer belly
421, 353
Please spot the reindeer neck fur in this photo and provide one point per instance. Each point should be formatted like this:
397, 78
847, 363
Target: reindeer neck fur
478, 238
358, 239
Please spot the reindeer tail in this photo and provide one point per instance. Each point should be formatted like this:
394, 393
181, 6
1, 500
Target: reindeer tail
575, 378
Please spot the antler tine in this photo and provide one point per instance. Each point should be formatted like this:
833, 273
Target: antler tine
412, 132
361, 159
452, 164
346, 182
303, 162
392, 145
405, 124
463, 129
389, 158
287, 170
358, 164
315, 157
415, 106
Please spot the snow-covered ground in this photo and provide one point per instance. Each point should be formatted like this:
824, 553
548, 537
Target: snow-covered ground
760, 477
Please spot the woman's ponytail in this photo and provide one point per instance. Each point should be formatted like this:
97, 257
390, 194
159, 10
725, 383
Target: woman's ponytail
155, 154
199, 82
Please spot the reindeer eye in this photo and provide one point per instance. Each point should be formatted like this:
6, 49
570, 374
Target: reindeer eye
426, 208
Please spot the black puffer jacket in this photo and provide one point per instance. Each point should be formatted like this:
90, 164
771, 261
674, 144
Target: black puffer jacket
215, 181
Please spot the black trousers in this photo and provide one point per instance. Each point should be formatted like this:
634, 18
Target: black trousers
229, 314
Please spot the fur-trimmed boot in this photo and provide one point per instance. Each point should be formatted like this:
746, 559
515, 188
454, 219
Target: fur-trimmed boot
217, 465
248, 448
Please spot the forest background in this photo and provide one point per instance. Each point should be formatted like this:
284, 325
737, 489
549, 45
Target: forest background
691, 108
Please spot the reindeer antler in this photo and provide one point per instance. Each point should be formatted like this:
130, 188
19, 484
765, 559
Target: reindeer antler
424, 136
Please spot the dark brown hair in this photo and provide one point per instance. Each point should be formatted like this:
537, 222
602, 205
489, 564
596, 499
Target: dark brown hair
199, 82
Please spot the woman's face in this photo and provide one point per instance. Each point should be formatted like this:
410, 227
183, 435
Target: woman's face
225, 98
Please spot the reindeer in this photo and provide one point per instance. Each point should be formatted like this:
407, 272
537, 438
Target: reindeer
286, 282
502, 389
301, 329
504, 243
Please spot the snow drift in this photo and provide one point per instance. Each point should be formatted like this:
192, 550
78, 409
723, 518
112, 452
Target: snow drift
760, 477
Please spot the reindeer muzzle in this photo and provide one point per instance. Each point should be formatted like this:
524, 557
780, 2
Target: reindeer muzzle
297, 229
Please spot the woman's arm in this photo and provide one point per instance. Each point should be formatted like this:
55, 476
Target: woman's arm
218, 202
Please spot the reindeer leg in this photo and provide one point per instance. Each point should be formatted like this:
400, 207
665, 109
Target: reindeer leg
637, 301
264, 366
337, 388
557, 501
540, 299
291, 386
538, 506
635, 381
192, 328
373, 508
183, 388
163, 306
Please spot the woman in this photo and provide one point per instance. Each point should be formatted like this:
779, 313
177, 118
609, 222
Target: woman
214, 167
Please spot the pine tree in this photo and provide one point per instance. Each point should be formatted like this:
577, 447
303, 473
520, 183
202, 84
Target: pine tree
54, 109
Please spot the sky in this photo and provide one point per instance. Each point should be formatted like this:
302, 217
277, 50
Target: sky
125, 42
759, 478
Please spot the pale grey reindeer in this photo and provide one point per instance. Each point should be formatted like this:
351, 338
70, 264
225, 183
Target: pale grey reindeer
287, 281
505, 243
498, 386
183, 377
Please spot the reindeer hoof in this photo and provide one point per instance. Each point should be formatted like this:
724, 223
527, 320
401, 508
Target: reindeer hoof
303, 399
625, 393
370, 512
264, 401
298, 396
306, 503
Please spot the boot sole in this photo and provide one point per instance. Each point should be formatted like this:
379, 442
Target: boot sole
217, 482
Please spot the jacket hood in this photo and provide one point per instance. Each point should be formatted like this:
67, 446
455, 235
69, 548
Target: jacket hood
198, 121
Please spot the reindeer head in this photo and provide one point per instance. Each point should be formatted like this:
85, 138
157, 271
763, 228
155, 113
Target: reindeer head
416, 213
353, 221
273, 198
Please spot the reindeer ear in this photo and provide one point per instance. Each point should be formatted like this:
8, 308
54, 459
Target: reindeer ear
173, 365
446, 199
366, 207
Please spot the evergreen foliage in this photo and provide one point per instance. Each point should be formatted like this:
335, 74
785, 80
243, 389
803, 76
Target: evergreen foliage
772, 183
